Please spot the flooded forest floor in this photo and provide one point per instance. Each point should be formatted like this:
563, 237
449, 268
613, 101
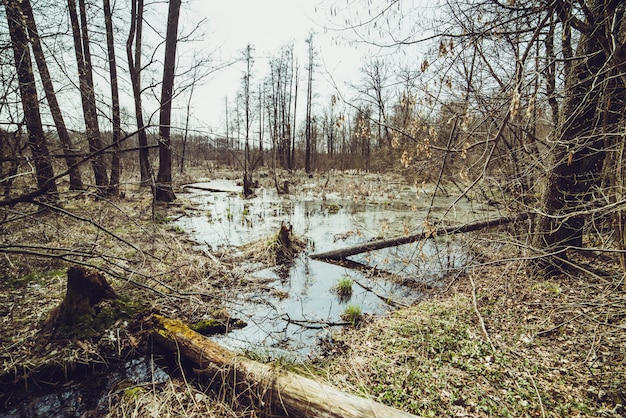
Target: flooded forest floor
482, 338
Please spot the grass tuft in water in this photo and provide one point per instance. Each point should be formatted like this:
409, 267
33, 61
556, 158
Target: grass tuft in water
344, 287
352, 314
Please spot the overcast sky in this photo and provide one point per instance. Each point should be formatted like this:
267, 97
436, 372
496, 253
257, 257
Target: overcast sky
268, 25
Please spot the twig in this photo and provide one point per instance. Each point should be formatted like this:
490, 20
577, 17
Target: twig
480, 318
313, 324
532, 379
95, 224
387, 299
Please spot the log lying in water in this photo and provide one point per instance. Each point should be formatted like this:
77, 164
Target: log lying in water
393, 242
206, 189
275, 392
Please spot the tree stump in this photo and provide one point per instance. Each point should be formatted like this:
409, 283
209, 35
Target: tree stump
79, 311
285, 251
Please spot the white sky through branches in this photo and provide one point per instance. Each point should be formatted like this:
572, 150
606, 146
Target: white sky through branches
268, 25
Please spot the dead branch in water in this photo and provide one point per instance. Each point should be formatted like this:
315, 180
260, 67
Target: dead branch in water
394, 242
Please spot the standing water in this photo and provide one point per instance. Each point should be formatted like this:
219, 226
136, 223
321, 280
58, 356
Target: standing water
303, 303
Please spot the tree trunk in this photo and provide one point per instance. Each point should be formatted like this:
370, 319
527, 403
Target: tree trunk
187, 116
76, 182
248, 186
579, 156
116, 166
309, 95
273, 391
394, 242
134, 68
164, 192
87, 93
78, 312
30, 103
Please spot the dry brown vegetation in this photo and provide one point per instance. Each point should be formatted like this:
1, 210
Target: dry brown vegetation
495, 342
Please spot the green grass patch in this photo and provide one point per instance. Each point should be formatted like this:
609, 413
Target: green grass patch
344, 287
433, 360
352, 314
38, 278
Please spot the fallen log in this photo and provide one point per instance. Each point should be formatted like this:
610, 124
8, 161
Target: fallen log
206, 189
394, 242
273, 391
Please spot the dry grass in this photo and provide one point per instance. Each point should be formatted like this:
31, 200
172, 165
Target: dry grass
559, 342
177, 397
548, 348
141, 253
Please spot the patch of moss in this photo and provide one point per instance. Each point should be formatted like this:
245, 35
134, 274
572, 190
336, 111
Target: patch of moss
100, 317
217, 326
35, 278
333, 207
133, 393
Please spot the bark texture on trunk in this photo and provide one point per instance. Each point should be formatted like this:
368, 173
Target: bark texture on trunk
579, 148
76, 182
116, 164
164, 192
30, 104
87, 94
134, 68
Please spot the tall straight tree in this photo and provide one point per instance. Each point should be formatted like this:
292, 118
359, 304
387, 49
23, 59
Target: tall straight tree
164, 192
116, 166
135, 36
87, 93
76, 182
30, 104
309, 95
247, 171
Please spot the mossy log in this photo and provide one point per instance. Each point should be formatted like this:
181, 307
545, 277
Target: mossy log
273, 391
394, 242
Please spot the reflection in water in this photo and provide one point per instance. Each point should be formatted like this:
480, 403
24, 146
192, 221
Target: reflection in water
289, 319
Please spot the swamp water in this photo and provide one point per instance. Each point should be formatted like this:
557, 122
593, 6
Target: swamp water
302, 305
89, 395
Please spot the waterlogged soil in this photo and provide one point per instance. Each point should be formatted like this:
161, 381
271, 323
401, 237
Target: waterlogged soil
89, 395
293, 306
287, 309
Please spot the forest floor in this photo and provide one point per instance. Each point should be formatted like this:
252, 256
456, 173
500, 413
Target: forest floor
494, 340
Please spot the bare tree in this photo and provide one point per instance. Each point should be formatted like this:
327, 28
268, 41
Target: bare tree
164, 192
76, 182
116, 166
134, 40
187, 116
85, 74
281, 105
248, 189
30, 104
309, 95
592, 125
375, 79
